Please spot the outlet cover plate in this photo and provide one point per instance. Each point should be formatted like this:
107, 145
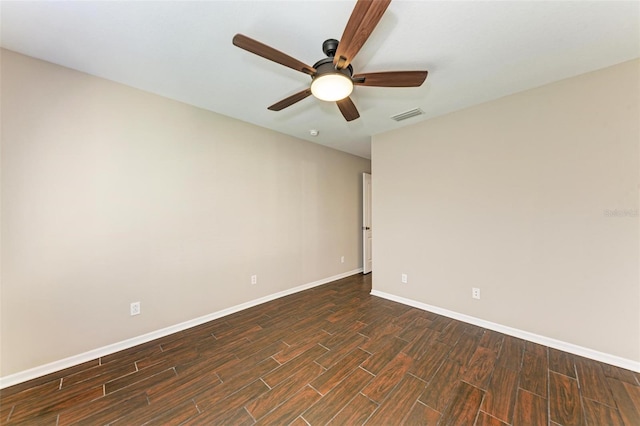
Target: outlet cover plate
475, 293
135, 308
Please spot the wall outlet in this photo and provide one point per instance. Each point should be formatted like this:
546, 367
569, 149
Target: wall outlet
254, 279
134, 308
404, 278
342, 259
475, 293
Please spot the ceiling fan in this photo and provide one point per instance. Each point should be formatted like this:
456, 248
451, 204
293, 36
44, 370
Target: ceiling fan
332, 78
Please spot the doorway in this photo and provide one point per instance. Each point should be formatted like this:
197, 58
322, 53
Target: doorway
367, 240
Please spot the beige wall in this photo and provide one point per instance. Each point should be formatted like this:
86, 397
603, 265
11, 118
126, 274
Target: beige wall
512, 197
112, 195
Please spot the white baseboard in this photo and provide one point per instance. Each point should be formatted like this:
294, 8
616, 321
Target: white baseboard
542, 340
52, 367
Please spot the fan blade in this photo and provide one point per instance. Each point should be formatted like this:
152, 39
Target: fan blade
391, 79
348, 109
290, 100
267, 52
364, 18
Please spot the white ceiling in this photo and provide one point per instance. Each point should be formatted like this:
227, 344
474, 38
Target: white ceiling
474, 51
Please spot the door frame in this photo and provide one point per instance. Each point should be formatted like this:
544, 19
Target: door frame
367, 236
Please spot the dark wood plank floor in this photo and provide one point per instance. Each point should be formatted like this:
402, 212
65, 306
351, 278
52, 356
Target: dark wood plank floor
332, 355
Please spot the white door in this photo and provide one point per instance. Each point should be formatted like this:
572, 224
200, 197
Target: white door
366, 223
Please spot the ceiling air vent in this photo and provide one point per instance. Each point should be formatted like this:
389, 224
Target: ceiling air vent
407, 114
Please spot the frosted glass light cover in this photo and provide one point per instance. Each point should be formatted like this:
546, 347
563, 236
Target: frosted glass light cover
331, 87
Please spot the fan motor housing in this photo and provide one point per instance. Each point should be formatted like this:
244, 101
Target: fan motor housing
325, 66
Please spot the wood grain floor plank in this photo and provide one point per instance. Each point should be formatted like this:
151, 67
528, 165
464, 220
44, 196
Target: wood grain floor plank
376, 339
619, 374
206, 364
421, 344
292, 408
388, 378
6, 394
299, 346
334, 375
230, 368
396, 309
479, 369
533, 374
409, 318
535, 349
561, 362
440, 389
98, 375
133, 354
356, 412
256, 353
492, 340
25, 395
634, 394
213, 354
299, 421
413, 329
336, 399
452, 333
464, 349
246, 331
212, 396
430, 362
291, 367
627, 401
530, 409
421, 415
228, 407
592, 381
239, 417
342, 332
116, 411
473, 330
342, 314
207, 329
564, 400
439, 323
340, 350
59, 401
485, 419
283, 391
378, 360
47, 419
396, 407
511, 353
160, 414
179, 355
463, 407
350, 326
343, 326
5, 411
138, 376
80, 411
500, 398
304, 330
600, 414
